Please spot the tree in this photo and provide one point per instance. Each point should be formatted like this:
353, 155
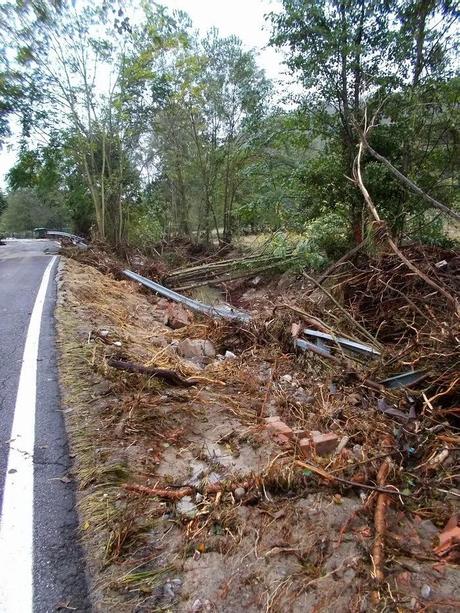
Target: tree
52, 172
3, 203
60, 54
361, 54
26, 210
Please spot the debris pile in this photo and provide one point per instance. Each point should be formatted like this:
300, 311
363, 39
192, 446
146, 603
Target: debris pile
312, 463
223, 271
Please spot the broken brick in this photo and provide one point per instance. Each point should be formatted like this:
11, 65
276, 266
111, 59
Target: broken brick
282, 440
177, 316
279, 427
305, 447
324, 443
301, 433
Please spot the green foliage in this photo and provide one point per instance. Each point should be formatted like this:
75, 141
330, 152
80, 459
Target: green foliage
26, 210
144, 228
151, 130
430, 229
321, 241
3, 203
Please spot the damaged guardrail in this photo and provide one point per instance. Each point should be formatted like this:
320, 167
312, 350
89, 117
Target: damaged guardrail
319, 347
346, 343
225, 311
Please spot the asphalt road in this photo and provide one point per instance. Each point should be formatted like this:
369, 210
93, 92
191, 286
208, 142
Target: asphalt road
57, 570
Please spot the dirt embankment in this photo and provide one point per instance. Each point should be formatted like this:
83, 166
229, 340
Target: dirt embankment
238, 524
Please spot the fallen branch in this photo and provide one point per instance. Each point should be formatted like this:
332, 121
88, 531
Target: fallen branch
378, 549
178, 493
170, 376
364, 486
315, 322
344, 311
408, 183
170, 494
340, 261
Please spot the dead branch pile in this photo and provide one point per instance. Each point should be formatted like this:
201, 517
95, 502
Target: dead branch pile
417, 326
104, 259
221, 271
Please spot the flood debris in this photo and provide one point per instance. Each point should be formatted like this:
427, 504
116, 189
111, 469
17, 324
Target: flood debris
308, 469
346, 343
226, 270
171, 377
225, 311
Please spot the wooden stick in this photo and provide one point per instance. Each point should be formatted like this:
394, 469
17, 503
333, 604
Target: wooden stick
359, 180
178, 493
378, 549
351, 319
340, 261
408, 183
364, 486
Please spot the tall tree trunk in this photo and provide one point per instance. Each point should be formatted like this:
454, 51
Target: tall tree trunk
423, 9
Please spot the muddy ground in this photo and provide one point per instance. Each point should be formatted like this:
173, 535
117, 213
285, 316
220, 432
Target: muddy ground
258, 531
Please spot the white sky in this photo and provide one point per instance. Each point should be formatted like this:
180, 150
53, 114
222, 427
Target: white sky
245, 18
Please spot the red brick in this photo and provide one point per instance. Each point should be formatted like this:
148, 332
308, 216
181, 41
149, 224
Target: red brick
282, 440
279, 427
324, 443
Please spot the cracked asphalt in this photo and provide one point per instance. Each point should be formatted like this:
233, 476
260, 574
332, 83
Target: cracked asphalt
59, 572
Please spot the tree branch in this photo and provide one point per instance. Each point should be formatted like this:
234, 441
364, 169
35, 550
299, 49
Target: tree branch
407, 182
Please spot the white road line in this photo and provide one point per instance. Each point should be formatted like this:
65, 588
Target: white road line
16, 522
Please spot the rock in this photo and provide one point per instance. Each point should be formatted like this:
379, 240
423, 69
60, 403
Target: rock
425, 591
358, 452
282, 440
101, 389
301, 397
186, 507
170, 589
271, 420
199, 498
117, 343
202, 605
343, 443
287, 378
177, 316
196, 348
239, 493
103, 333
229, 355
324, 443
286, 279
349, 575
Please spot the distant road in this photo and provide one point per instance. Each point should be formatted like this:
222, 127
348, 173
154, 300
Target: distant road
41, 567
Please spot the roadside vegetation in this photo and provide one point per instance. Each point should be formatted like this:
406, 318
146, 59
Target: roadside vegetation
303, 454
135, 129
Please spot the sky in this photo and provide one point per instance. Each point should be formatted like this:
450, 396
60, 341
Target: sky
244, 18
